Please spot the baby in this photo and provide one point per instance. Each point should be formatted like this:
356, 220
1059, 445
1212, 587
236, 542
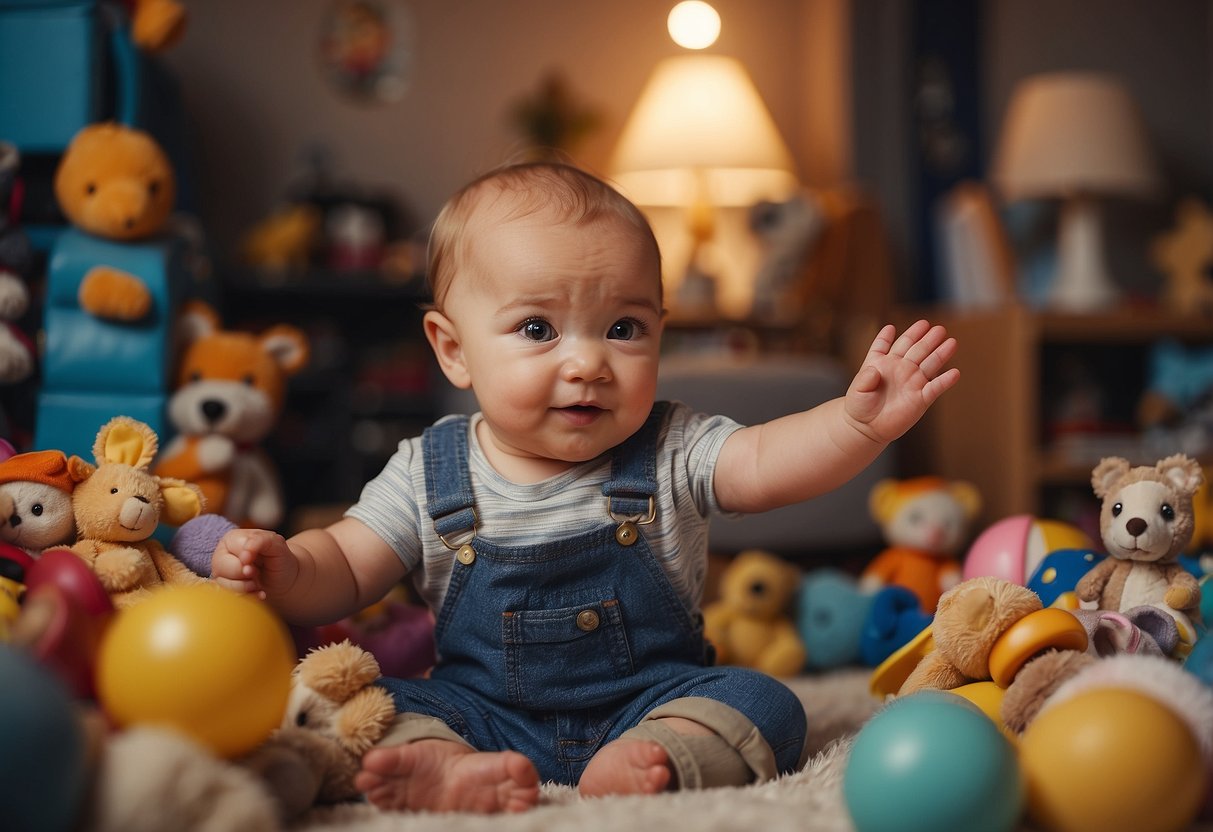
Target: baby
560, 534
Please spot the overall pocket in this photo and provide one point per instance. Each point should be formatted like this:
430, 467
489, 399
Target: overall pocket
565, 658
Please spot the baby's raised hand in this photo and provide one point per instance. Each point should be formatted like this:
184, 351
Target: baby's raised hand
900, 378
254, 561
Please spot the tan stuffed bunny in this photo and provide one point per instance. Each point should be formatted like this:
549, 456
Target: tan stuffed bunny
118, 505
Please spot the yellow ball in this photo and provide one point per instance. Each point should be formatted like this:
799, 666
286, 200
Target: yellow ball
209, 663
1108, 760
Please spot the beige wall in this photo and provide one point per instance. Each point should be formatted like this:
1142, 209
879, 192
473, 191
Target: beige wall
249, 75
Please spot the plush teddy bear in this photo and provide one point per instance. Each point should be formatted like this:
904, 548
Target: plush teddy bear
118, 504
925, 521
36, 500
750, 624
115, 182
334, 715
1145, 522
230, 389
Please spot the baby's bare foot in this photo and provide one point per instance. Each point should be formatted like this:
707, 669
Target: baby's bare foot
626, 767
442, 776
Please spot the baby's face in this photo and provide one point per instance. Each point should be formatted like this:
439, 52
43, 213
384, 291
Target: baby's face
560, 329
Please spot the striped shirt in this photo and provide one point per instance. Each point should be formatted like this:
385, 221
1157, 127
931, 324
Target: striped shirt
393, 505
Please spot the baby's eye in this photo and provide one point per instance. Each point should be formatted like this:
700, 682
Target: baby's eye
626, 329
1167, 512
537, 329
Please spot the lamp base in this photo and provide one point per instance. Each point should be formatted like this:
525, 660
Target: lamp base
1082, 283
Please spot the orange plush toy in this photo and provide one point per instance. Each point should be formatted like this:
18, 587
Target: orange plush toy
925, 521
230, 389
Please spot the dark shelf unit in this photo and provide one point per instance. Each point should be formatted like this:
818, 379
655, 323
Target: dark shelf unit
368, 385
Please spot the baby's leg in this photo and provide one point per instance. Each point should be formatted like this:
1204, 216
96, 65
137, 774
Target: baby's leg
424, 765
673, 747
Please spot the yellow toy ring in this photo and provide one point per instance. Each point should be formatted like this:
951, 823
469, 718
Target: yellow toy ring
1034, 633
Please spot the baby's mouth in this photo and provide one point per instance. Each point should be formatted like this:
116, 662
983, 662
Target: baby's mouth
582, 414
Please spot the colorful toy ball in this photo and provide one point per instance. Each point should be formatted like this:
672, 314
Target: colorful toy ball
1012, 548
43, 768
209, 663
932, 761
1112, 760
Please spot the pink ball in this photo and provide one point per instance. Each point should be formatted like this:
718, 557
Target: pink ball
1012, 548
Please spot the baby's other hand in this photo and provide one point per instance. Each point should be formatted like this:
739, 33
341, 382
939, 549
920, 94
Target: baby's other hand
900, 378
254, 561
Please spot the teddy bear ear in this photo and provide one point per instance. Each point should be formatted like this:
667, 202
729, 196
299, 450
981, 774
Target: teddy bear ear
127, 441
182, 500
882, 500
1107, 473
337, 670
1182, 472
967, 495
197, 320
287, 345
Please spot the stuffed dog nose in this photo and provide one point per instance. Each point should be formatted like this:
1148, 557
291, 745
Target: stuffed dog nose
213, 410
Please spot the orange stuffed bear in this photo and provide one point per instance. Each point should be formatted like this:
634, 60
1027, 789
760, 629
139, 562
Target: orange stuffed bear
925, 520
230, 390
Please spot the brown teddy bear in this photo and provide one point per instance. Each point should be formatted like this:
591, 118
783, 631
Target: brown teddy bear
749, 625
334, 715
115, 182
230, 389
118, 503
1145, 522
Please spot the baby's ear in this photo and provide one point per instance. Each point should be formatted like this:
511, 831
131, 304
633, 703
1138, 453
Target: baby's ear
440, 331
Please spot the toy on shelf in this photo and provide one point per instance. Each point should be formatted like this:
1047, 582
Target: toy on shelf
334, 715
925, 521
230, 390
749, 625
16, 270
118, 504
222, 680
1013, 548
1145, 521
116, 183
1175, 410
36, 500
1184, 255
284, 241
156, 25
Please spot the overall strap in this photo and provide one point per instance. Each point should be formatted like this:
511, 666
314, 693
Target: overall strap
633, 481
448, 483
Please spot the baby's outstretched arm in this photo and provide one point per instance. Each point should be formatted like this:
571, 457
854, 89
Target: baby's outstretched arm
807, 454
316, 577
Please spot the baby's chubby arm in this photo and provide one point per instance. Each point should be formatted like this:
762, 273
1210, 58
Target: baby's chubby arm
807, 454
316, 577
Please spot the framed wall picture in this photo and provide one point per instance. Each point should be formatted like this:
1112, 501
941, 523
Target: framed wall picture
366, 49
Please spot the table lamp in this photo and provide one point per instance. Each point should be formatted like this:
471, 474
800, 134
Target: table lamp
701, 138
1077, 136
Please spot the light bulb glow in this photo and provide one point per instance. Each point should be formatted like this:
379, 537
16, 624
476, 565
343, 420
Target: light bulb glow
693, 24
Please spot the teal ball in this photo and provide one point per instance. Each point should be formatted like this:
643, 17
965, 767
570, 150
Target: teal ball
43, 773
932, 762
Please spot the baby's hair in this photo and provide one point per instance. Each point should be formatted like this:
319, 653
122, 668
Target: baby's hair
577, 197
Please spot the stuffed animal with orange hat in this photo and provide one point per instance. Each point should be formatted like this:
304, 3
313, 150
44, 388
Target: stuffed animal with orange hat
230, 390
925, 521
36, 500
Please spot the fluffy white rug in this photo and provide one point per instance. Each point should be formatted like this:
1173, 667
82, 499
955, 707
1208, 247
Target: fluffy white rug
836, 704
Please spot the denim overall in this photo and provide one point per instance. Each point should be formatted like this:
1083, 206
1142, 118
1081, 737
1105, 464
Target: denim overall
556, 649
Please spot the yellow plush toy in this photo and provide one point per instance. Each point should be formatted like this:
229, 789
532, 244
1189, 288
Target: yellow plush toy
750, 625
115, 182
119, 503
230, 389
